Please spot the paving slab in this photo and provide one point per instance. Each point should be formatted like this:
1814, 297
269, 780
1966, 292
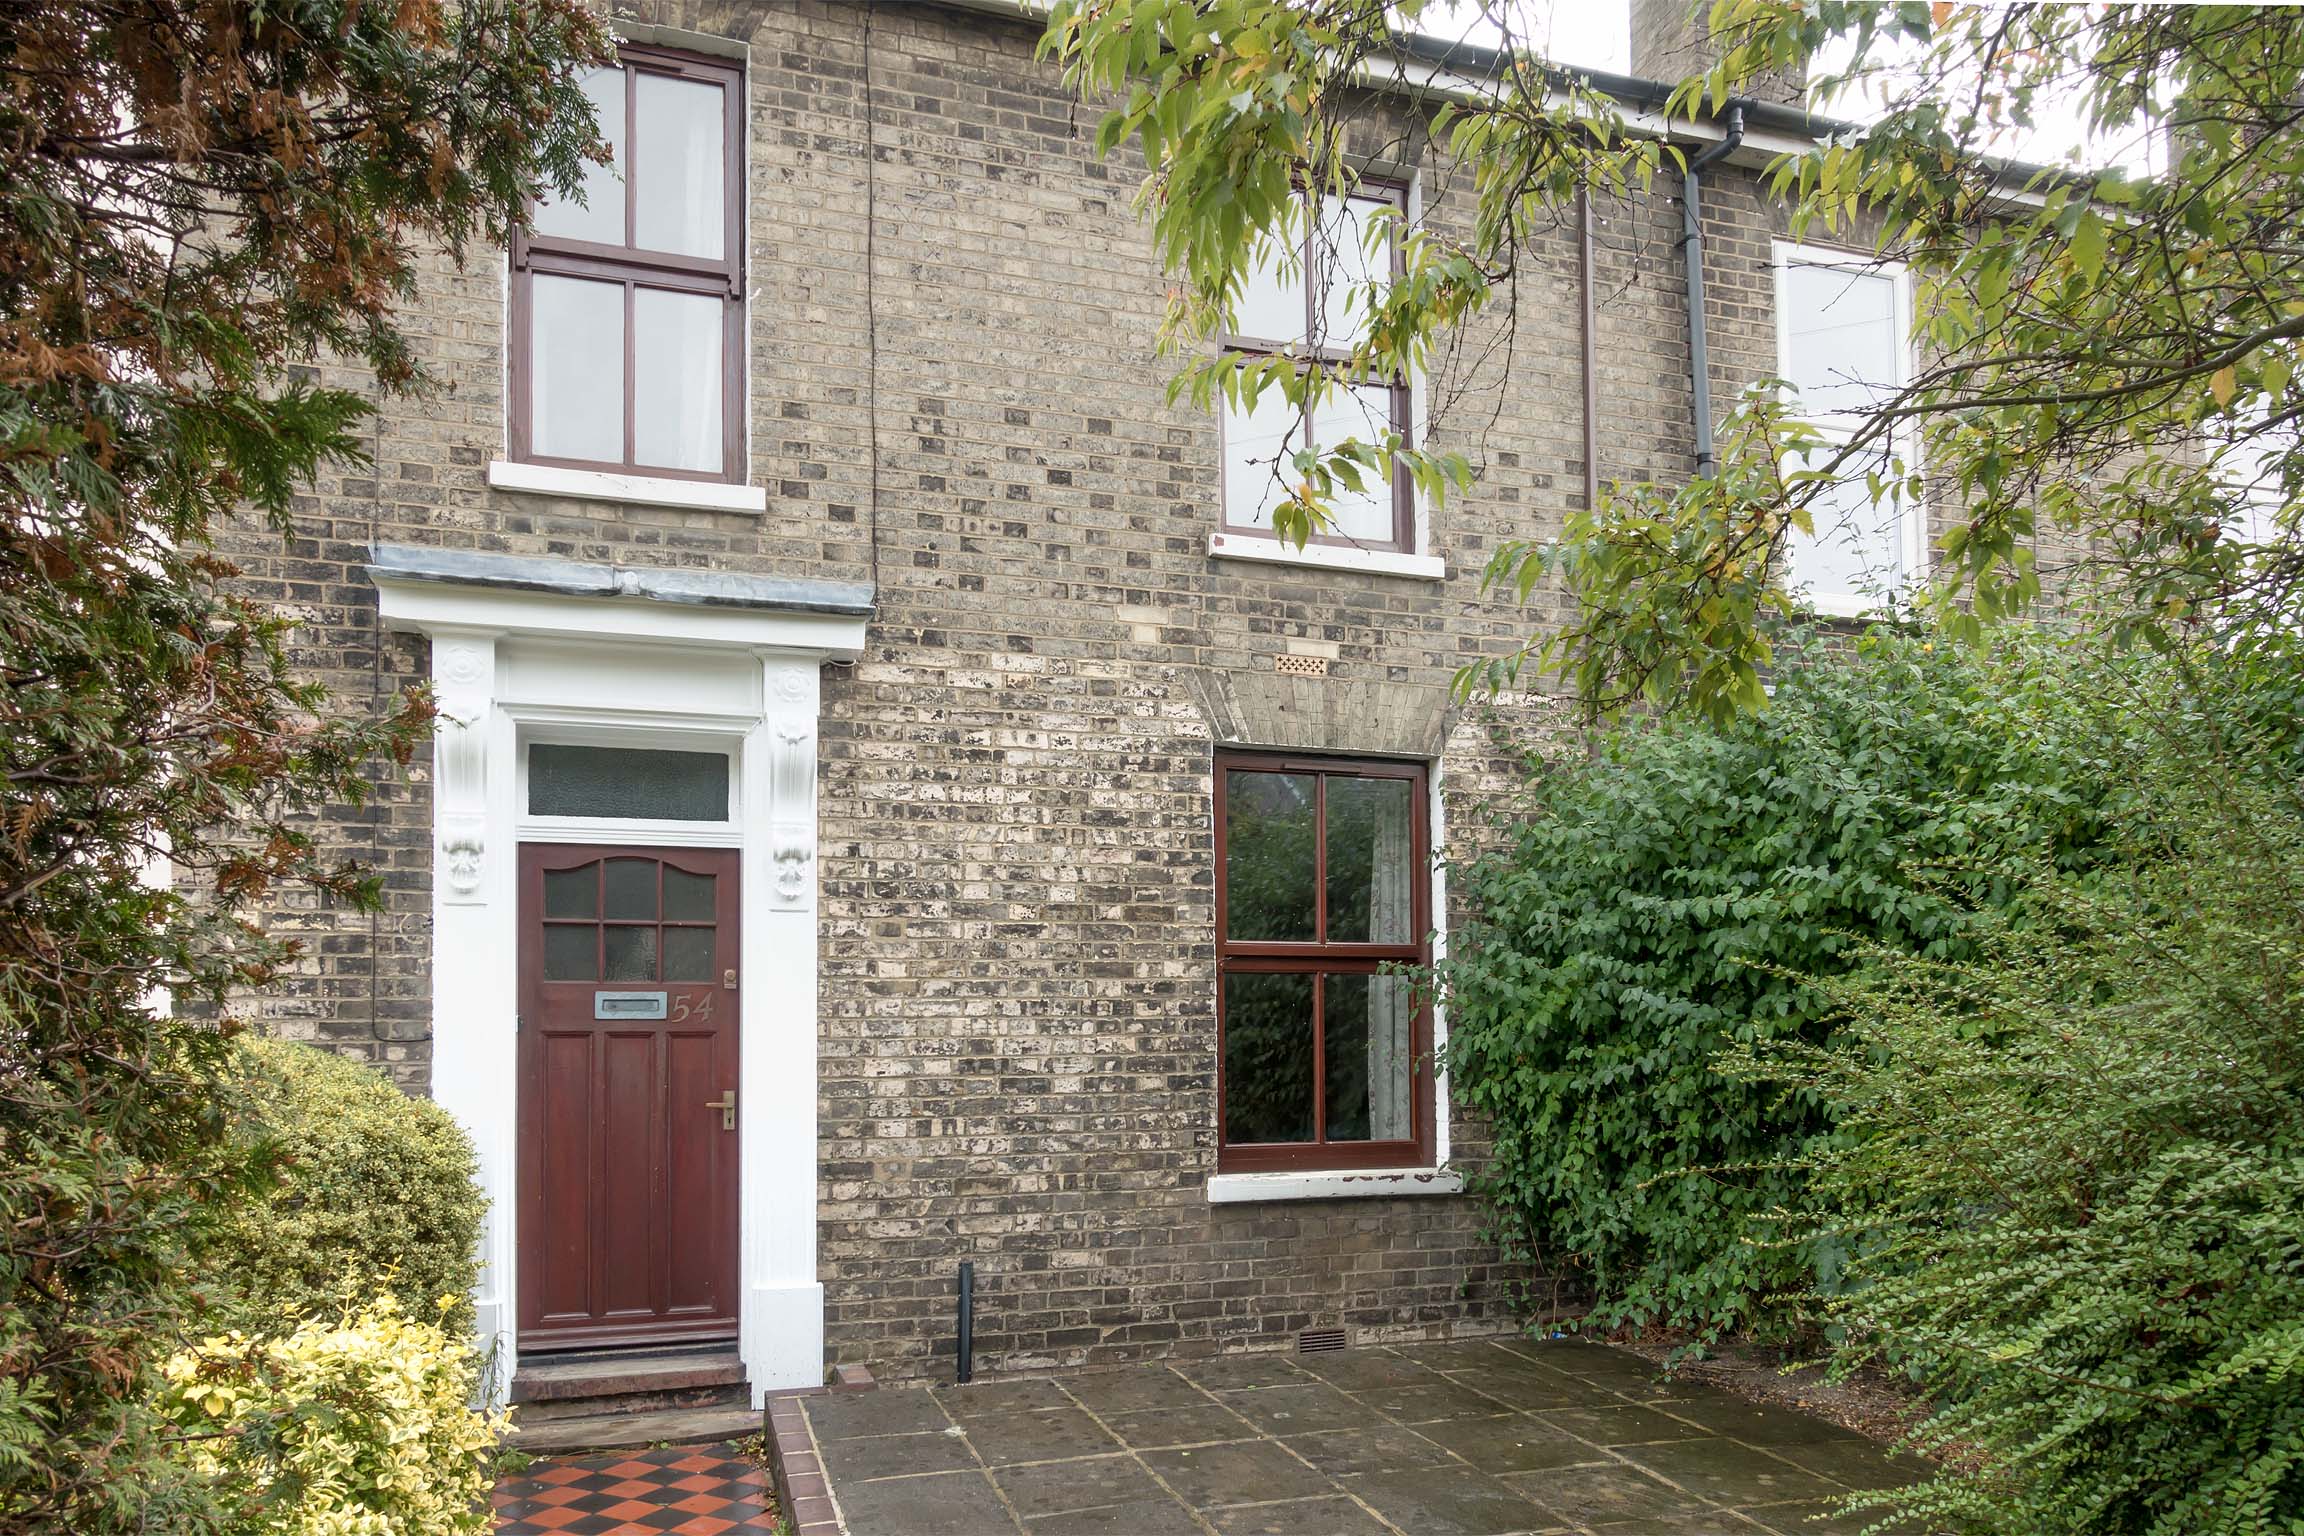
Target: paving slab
1483, 1437
1730, 1472
1161, 1517
1066, 1487
1245, 1472
1608, 1492
1053, 1434
1132, 1391
940, 1504
1331, 1515
1304, 1410
1448, 1502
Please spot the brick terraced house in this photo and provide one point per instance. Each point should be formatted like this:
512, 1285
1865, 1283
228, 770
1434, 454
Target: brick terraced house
895, 803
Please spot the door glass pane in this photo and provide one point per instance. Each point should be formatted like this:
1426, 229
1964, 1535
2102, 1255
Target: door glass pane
571, 952
1267, 1057
1371, 851
1257, 444
689, 898
676, 406
1363, 413
600, 216
572, 892
1270, 306
1269, 856
632, 888
688, 954
627, 782
630, 953
576, 368
1369, 1023
680, 166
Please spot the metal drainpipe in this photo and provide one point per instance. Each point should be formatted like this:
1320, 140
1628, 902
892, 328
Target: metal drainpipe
1591, 350
1692, 253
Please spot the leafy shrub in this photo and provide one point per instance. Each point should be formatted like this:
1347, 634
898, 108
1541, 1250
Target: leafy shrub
2073, 1167
380, 1195
359, 1426
1663, 902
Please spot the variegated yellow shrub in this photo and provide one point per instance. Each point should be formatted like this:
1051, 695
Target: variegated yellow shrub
361, 1426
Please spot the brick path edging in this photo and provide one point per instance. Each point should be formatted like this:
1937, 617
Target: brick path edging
801, 1491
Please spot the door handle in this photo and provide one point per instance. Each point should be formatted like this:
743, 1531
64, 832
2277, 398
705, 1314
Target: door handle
726, 1104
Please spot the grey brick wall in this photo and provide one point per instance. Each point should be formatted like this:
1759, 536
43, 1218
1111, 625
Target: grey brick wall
954, 391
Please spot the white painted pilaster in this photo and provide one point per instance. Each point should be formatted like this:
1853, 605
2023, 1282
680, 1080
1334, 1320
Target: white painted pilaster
783, 1340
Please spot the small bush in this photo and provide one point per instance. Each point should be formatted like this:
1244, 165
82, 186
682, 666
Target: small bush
1663, 902
379, 1195
359, 1426
2072, 1166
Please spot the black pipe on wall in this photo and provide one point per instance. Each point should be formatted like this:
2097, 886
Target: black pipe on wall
964, 1368
1692, 248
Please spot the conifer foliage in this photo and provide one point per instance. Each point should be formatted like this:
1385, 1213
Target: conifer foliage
196, 200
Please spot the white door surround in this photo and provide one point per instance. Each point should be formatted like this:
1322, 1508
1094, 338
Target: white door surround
527, 649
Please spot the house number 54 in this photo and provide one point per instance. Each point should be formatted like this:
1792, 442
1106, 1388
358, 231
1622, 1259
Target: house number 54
685, 1008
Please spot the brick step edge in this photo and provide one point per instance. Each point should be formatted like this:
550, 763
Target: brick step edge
554, 1381
632, 1431
647, 1400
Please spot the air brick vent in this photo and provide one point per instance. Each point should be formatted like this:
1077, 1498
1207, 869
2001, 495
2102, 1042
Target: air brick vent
1319, 1341
1300, 666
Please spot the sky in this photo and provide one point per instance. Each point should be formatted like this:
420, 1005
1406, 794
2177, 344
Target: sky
1596, 34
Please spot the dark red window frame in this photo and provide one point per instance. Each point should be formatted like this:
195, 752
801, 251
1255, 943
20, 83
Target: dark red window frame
1403, 413
635, 267
1320, 958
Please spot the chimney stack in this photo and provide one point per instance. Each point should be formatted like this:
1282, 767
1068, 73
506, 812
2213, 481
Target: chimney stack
1672, 39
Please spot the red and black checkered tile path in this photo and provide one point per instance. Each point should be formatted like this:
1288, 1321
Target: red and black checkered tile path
685, 1490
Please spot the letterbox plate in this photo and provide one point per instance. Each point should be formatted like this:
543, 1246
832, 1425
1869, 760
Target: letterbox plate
628, 1005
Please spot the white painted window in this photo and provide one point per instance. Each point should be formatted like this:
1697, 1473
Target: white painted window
1305, 297
1843, 338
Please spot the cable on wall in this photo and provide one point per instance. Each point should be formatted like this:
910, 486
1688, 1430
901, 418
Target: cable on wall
871, 310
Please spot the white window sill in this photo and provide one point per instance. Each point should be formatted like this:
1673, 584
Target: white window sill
636, 490
1328, 557
1836, 605
1359, 1184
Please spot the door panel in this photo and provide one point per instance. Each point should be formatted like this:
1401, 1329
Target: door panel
627, 1219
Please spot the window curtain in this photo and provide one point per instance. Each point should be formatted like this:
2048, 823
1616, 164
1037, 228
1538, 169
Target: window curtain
1391, 1005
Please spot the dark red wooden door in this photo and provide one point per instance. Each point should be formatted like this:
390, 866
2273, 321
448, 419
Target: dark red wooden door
627, 1095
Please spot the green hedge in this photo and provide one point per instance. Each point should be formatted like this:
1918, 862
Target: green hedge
1663, 900
379, 1195
2072, 1164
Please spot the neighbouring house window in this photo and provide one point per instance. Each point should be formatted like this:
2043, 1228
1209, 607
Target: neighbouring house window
1297, 302
627, 308
1843, 337
1321, 868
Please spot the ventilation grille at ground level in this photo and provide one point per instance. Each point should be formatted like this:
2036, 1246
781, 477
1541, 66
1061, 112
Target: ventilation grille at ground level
1319, 1341
1300, 666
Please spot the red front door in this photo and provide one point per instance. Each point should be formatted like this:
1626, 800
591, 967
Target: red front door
627, 1095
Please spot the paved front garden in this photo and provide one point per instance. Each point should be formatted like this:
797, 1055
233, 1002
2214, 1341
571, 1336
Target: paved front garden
1482, 1438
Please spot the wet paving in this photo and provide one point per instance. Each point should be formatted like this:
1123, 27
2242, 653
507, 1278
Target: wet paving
1483, 1438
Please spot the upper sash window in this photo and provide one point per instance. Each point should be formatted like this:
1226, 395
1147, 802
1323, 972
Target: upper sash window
1299, 300
627, 304
1843, 327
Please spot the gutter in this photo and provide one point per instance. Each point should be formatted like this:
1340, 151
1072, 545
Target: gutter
1692, 255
